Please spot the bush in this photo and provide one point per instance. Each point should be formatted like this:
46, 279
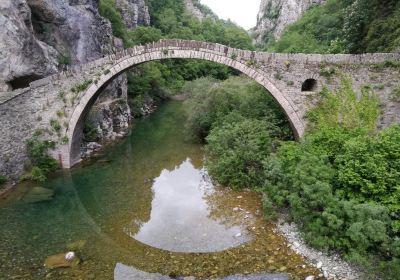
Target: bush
211, 100
41, 163
341, 181
346, 108
3, 180
343, 26
235, 152
81, 87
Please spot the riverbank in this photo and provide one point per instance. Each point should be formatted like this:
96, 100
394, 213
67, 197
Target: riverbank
332, 265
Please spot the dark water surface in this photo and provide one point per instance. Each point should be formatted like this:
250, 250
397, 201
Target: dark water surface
148, 203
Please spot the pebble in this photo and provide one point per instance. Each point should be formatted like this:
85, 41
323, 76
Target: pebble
310, 277
240, 196
333, 265
236, 209
238, 234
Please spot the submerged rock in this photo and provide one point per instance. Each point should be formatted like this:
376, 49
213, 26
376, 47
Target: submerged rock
38, 194
76, 245
62, 260
123, 272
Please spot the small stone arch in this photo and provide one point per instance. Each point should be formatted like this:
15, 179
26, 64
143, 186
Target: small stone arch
71, 151
309, 85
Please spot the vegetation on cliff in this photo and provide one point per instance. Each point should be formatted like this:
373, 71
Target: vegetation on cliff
340, 183
344, 26
170, 20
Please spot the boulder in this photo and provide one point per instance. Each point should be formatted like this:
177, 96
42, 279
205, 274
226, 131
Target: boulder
38, 194
62, 260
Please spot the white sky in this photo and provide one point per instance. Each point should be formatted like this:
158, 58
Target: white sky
243, 12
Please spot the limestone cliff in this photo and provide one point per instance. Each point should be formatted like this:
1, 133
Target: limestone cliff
275, 15
193, 8
41, 37
133, 12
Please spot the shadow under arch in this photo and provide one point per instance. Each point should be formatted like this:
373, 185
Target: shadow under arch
71, 151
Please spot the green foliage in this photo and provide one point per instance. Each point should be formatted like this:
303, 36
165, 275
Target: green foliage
341, 182
107, 9
61, 114
387, 64
211, 100
81, 87
3, 180
327, 72
344, 26
346, 108
89, 132
55, 125
64, 59
241, 124
157, 80
144, 34
40, 162
396, 94
235, 151
251, 63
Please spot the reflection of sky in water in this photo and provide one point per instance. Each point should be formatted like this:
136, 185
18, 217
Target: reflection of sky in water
180, 220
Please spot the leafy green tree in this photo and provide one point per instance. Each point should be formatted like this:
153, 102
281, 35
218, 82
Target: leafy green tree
235, 152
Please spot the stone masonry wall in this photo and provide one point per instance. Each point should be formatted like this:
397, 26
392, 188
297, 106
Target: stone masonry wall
25, 111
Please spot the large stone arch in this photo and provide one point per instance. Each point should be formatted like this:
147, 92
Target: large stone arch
71, 151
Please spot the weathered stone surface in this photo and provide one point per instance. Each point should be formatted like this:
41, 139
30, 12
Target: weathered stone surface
41, 34
281, 74
76, 30
23, 58
193, 7
275, 15
133, 12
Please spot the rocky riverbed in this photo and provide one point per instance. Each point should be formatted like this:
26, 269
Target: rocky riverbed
331, 264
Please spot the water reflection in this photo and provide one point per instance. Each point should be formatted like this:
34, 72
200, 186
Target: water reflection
180, 219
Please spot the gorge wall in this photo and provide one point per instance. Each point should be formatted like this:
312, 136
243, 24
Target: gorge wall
275, 15
42, 37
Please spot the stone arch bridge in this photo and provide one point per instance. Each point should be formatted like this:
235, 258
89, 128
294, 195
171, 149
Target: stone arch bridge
58, 104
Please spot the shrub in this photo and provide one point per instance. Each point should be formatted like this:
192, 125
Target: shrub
346, 108
3, 180
55, 125
41, 163
340, 182
64, 59
235, 151
81, 87
211, 100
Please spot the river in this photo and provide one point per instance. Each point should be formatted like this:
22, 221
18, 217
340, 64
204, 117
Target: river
146, 203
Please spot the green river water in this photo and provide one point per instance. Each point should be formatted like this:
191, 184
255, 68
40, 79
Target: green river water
147, 203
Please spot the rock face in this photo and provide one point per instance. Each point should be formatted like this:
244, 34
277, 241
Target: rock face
42, 37
23, 58
193, 7
275, 15
133, 12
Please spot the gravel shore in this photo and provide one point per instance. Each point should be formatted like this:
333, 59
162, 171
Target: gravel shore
332, 266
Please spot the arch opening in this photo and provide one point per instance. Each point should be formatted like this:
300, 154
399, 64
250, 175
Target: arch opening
71, 151
309, 85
